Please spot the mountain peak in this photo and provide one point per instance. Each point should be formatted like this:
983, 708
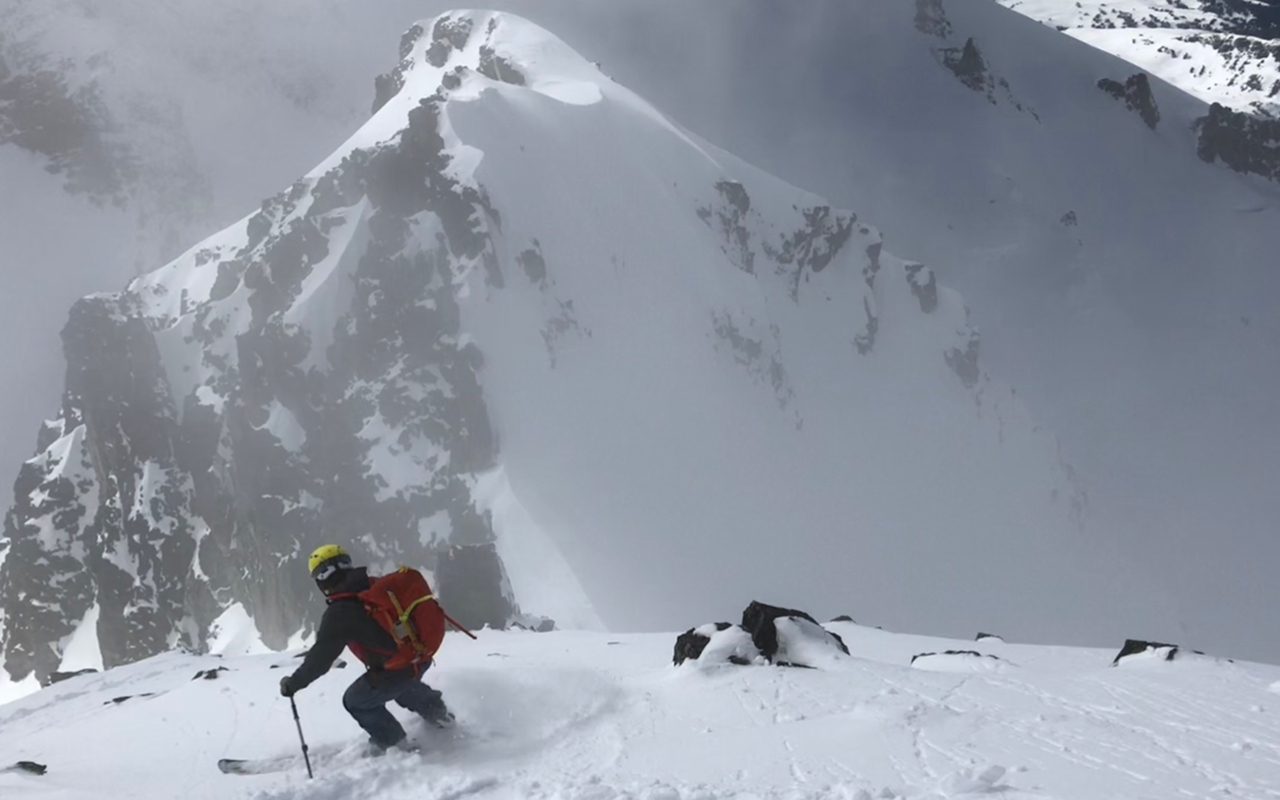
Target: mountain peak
469, 51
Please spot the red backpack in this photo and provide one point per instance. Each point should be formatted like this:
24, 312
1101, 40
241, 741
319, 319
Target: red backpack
403, 604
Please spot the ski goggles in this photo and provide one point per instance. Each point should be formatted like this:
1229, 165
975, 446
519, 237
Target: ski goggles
326, 569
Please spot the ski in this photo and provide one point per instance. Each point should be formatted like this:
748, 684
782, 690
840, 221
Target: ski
258, 766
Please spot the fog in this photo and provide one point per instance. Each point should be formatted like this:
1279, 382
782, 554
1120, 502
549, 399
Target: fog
1152, 350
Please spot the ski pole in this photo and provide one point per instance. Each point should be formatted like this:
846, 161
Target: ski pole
455, 624
298, 722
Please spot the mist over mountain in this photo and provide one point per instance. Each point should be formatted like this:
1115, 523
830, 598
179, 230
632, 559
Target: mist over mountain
1119, 280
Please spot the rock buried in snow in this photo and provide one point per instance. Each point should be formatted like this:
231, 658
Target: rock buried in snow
1137, 650
691, 643
1148, 650
958, 661
716, 643
118, 700
58, 677
845, 618
987, 637
209, 674
803, 634
28, 766
973, 781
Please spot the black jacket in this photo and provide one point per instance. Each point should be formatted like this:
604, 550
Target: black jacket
345, 622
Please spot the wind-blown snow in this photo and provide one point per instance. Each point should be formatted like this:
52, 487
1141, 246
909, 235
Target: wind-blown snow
81, 650
536, 569
234, 634
582, 715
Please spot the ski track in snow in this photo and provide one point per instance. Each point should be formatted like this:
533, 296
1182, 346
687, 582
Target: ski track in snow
605, 717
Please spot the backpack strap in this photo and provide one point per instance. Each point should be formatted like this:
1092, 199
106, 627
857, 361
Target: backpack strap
403, 621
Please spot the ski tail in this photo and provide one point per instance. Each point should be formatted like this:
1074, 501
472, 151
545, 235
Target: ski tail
257, 766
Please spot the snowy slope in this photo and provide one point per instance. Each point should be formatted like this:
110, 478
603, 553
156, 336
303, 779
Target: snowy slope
523, 314
583, 715
1221, 52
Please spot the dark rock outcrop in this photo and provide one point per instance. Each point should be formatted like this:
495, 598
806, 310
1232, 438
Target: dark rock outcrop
964, 363
468, 579
931, 18
924, 285
759, 620
71, 127
59, 677
970, 653
1133, 647
165, 499
691, 643
1136, 94
1243, 142
984, 637
967, 64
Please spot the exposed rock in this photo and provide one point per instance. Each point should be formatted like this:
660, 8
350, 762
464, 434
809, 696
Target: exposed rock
58, 677
450, 34
924, 285
72, 128
118, 700
717, 644
529, 622
932, 19
268, 455
760, 621
386, 86
965, 362
469, 580
865, 340
844, 618
973, 653
1242, 142
499, 68
532, 263
967, 64
1132, 647
691, 643
1136, 95
761, 358
987, 637
813, 246
731, 219
959, 661
210, 674
971, 69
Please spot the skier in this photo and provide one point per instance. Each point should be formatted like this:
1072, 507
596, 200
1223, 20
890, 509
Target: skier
346, 623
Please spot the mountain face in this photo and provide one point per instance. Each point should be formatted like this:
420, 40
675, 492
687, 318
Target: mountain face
1221, 51
526, 332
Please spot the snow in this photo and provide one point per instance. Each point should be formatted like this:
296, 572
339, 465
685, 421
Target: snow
1186, 55
80, 649
540, 577
285, 427
234, 633
606, 717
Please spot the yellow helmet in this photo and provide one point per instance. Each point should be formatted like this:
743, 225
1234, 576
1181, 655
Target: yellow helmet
327, 555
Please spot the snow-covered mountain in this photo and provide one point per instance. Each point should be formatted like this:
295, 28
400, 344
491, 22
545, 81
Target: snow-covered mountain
524, 330
587, 715
1221, 51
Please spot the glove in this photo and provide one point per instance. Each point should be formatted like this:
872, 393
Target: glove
286, 686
